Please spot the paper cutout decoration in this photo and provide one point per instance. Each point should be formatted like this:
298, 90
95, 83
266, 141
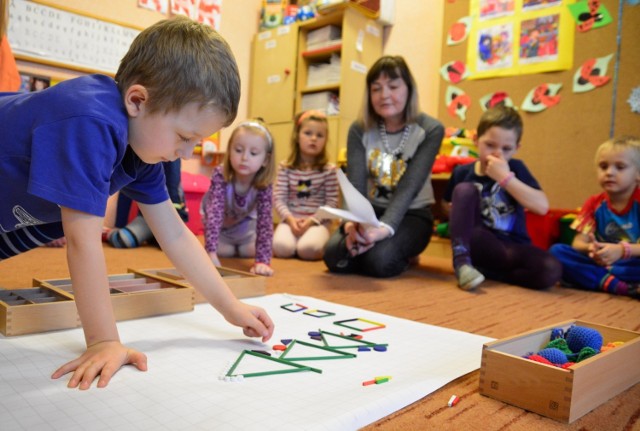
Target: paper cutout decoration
491, 100
590, 14
634, 100
591, 74
454, 71
459, 31
457, 102
542, 97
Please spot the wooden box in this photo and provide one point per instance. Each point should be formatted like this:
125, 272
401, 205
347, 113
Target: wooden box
242, 284
134, 296
39, 309
560, 394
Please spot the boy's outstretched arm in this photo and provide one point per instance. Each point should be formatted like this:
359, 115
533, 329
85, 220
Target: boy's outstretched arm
193, 262
105, 354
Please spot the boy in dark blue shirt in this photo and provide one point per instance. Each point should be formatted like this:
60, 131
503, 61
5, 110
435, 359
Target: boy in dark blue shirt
65, 150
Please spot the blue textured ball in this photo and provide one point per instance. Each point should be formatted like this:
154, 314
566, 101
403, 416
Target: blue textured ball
579, 337
553, 355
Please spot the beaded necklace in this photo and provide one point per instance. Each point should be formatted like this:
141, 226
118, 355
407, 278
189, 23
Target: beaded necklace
385, 142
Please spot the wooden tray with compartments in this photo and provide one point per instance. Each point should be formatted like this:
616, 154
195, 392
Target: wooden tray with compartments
134, 296
242, 284
36, 309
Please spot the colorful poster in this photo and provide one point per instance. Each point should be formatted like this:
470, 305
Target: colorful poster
539, 39
496, 8
519, 37
494, 48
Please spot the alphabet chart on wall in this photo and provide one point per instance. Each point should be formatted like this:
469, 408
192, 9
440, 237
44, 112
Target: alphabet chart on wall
189, 355
45, 34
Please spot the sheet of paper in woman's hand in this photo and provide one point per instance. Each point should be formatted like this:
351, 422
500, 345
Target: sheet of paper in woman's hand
358, 208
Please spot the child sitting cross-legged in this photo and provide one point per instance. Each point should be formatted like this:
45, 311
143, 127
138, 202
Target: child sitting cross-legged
605, 253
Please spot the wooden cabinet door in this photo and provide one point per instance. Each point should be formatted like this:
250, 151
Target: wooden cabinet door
273, 74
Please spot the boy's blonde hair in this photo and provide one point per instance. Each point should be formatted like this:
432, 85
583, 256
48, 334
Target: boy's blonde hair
622, 143
501, 116
294, 160
392, 67
180, 61
266, 174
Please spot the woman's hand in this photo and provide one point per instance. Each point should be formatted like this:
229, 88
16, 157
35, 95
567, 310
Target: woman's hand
360, 238
103, 359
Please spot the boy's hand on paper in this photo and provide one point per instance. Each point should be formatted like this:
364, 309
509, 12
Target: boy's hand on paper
254, 321
102, 359
497, 168
261, 269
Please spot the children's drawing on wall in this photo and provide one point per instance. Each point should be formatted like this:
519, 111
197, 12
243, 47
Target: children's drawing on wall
496, 8
590, 14
494, 47
161, 6
539, 39
528, 5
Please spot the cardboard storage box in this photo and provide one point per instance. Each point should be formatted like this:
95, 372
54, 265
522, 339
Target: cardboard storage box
33, 310
134, 296
560, 394
242, 284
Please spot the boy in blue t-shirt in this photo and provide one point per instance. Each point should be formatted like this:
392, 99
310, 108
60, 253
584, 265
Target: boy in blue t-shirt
66, 149
605, 253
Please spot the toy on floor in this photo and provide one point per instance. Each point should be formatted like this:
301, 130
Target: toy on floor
574, 345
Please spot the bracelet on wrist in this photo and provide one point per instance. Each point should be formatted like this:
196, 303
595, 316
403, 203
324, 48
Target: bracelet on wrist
626, 249
503, 182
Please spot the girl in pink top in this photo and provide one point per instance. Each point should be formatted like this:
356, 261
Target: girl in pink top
306, 181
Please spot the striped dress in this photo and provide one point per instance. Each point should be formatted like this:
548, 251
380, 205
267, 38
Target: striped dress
300, 193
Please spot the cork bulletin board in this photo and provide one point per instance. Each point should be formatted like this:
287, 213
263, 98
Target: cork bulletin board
559, 143
57, 37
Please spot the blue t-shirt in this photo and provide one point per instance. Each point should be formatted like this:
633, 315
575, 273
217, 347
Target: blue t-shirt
68, 146
500, 211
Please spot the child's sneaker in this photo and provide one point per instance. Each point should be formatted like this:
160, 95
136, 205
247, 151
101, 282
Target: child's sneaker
468, 277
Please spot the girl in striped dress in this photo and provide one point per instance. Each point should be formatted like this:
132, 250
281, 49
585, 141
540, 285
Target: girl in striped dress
305, 181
